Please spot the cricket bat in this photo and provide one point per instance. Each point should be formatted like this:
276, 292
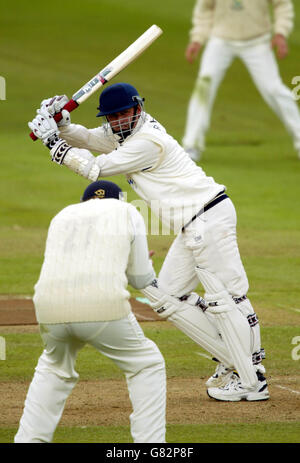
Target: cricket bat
111, 70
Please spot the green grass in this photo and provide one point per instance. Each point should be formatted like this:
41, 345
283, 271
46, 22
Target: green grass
181, 354
49, 49
272, 433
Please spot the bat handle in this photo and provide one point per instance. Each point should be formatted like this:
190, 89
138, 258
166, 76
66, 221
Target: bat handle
70, 106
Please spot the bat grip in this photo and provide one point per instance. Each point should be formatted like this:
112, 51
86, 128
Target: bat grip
70, 106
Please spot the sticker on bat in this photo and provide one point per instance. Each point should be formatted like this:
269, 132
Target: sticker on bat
88, 87
105, 72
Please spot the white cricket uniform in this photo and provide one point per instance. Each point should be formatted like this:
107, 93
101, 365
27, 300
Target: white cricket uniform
93, 250
175, 188
239, 29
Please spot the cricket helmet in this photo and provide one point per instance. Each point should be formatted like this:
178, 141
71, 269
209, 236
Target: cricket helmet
118, 97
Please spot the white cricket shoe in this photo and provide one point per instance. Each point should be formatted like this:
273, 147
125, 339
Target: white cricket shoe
221, 376
235, 392
194, 153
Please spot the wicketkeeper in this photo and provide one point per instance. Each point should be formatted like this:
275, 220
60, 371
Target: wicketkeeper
94, 248
200, 213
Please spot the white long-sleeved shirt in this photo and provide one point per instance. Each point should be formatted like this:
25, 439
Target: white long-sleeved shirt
156, 167
240, 20
93, 250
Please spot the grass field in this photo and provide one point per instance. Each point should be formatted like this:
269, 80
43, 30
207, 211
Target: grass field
49, 49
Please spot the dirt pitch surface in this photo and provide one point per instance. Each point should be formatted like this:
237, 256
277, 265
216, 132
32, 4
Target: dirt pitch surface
96, 403
20, 311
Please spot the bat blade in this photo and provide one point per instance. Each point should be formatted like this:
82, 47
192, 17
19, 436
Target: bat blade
118, 64
111, 70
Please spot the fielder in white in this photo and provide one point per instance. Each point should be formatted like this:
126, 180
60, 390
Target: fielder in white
200, 213
93, 249
239, 29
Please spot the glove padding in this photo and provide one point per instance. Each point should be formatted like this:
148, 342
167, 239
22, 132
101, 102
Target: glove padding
45, 128
54, 106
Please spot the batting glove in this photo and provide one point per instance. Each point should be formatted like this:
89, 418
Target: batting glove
55, 105
45, 128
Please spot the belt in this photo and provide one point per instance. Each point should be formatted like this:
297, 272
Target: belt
220, 197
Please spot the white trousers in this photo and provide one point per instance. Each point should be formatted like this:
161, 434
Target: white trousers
261, 63
124, 342
210, 242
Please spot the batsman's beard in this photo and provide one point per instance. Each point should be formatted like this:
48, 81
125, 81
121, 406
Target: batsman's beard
125, 126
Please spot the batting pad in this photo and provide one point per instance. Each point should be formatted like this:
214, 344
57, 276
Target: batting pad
191, 320
194, 323
232, 325
247, 311
235, 332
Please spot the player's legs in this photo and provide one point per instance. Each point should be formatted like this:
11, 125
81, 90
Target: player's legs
212, 238
52, 383
216, 59
218, 253
178, 278
263, 68
211, 243
124, 342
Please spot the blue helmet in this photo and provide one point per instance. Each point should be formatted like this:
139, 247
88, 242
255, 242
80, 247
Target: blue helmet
118, 97
102, 189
